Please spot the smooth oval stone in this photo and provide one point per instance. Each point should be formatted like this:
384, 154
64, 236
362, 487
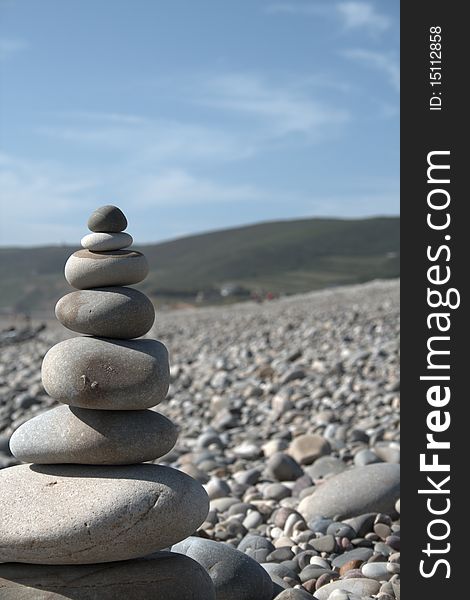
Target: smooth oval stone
108, 218
85, 269
160, 575
306, 448
235, 575
373, 488
108, 374
103, 242
95, 437
294, 594
74, 514
361, 587
325, 465
113, 312
377, 571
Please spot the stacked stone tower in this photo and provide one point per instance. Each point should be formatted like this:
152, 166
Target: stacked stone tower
85, 498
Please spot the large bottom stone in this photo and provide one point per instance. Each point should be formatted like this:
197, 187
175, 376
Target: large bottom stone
162, 576
73, 514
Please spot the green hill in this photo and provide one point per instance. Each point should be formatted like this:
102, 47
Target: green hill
283, 257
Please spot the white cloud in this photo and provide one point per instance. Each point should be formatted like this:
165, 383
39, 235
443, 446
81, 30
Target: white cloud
38, 197
178, 187
355, 15
252, 112
385, 63
146, 140
352, 14
282, 108
11, 46
41, 200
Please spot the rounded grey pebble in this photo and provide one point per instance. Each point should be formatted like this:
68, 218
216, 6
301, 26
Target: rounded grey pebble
112, 312
376, 570
325, 543
76, 514
85, 269
107, 374
95, 437
306, 448
366, 457
160, 575
104, 242
325, 465
235, 575
356, 554
108, 219
294, 594
283, 467
373, 488
361, 587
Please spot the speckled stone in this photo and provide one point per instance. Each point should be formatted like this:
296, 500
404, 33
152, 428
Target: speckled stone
74, 514
308, 447
164, 575
95, 437
373, 488
361, 587
108, 218
104, 242
113, 312
85, 269
107, 374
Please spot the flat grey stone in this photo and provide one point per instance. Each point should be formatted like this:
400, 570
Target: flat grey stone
306, 448
108, 218
74, 514
366, 457
361, 587
294, 594
325, 465
235, 575
104, 242
113, 312
376, 570
108, 374
356, 554
85, 269
95, 437
373, 488
162, 575
280, 570
325, 543
283, 467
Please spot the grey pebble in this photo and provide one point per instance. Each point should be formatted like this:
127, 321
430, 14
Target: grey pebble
107, 374
114, 312
235, 575
108, 218
355, 491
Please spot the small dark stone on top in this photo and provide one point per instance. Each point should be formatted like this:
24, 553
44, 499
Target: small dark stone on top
107, 219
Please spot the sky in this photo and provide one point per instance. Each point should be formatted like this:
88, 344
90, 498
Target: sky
195, 115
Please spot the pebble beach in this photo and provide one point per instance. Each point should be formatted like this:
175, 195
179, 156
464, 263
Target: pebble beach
288, 415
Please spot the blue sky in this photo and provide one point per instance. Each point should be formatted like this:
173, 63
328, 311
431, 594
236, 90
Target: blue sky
194, 115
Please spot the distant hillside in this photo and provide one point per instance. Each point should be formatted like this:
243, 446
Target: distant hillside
282, 257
